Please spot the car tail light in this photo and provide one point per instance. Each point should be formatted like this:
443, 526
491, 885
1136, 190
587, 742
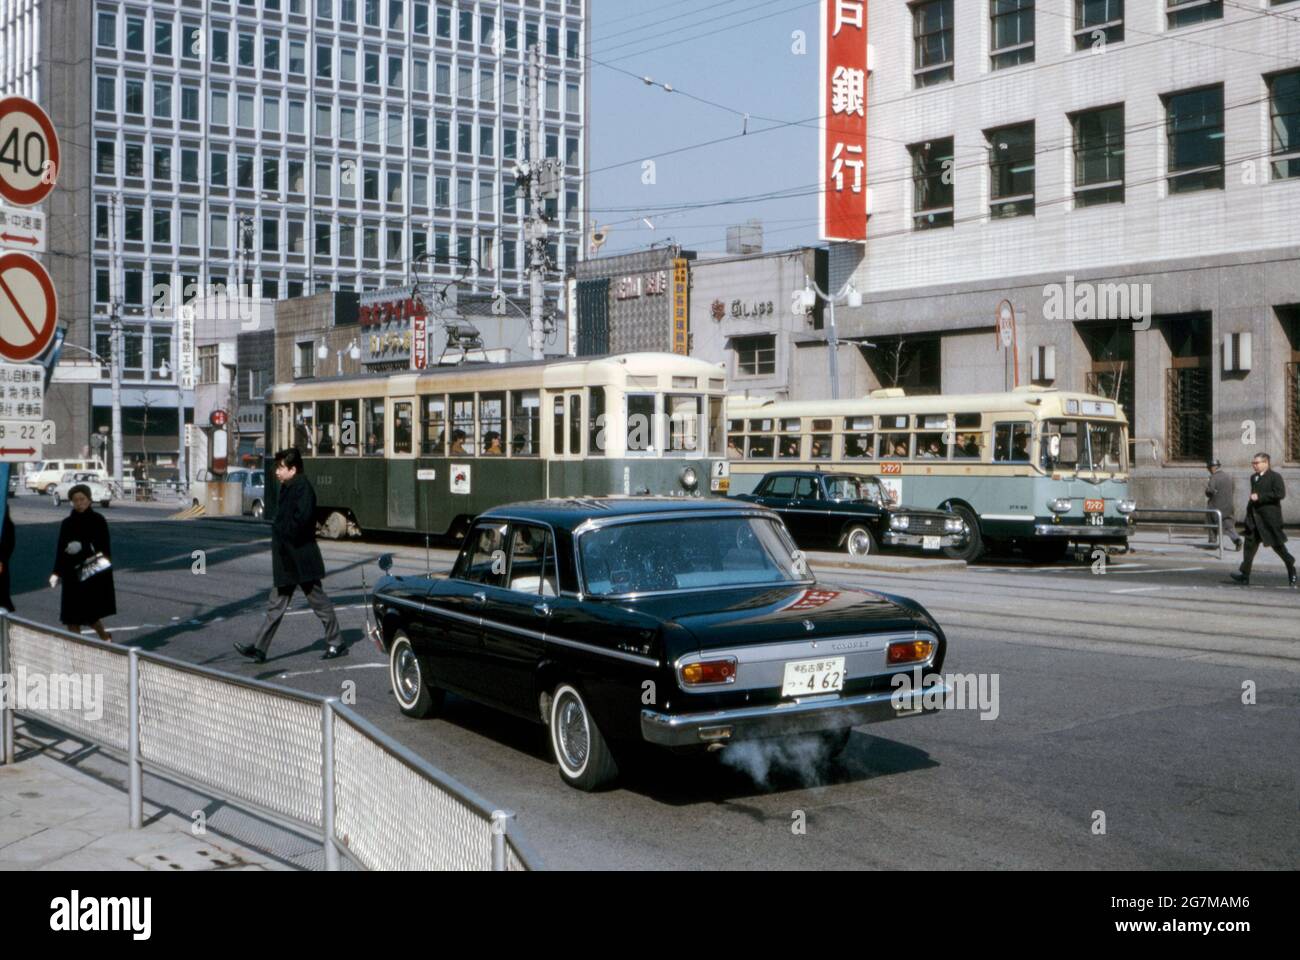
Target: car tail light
709, 672
909, 651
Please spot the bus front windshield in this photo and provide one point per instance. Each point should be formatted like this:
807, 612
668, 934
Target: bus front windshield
1084, 445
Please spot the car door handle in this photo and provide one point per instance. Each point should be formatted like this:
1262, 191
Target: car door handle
542, 609
480, 598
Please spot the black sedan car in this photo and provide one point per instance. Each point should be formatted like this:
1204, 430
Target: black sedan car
683, 623
853, 513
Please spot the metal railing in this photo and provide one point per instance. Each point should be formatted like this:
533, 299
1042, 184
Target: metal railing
1213, 521
310, 762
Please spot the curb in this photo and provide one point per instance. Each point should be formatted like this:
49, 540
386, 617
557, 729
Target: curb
884, 564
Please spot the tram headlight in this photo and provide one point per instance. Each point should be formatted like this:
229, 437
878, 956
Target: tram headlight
690, 479
1126, 507
1060, 505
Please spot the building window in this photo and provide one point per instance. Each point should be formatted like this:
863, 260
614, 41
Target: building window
932, 42
1189, 426
304, 359
1012, 170
1098, 156
1194, 131
932, 187
1182, 13
1012, 24
1290, 317
106, 30
162, 100
755, 356
1111, 349
209, 364
106, 94
1097, 23
189, 103
244, 47
1284, 108
162, 38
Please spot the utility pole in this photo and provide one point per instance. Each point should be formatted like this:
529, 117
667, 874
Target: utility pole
536, 230
115, 336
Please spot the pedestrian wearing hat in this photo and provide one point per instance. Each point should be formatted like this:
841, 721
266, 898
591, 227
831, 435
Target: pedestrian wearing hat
1264, 519
1220, 491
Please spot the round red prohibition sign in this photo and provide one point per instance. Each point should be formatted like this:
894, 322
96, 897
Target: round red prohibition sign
29, 309
29, 152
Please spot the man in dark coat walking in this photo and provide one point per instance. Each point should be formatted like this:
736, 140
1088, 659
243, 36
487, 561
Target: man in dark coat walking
1264, 519
1220, 492
295, 560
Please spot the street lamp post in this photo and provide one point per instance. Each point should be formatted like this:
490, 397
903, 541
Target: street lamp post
809, 297
164, 371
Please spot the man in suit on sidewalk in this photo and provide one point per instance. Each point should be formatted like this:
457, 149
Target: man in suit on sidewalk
1220, 492
296, 561
1264, 519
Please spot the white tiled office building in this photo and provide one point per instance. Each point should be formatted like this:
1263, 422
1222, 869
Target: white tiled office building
348, 143
1039, 149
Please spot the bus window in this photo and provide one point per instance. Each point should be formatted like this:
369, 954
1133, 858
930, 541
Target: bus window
716, 433
931, 446
761, 448
304, 433
462, 426
640, 423
326, 428
433, 425
895, 446
557, 428
596, 423
575, 425
761, 426
1106, 441
893, 423
823, 426
790, 447
525, 423
821, 447
373, 412
349, 428
683, 424
492, 421
969, 446
791, 426
859, 446
1011, 443
403, 428
1071, 446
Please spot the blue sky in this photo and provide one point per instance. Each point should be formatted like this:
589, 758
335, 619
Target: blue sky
737, 53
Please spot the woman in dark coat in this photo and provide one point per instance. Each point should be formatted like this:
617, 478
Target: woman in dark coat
83, 533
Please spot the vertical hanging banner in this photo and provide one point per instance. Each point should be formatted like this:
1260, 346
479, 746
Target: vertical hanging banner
843, 107
681, 307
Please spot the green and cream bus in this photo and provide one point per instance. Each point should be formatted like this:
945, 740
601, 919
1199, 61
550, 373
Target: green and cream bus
1037, 468
428, 451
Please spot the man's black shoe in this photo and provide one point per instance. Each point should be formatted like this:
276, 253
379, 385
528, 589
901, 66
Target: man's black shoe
248, 650
1241, 578
332, 653
1291, 577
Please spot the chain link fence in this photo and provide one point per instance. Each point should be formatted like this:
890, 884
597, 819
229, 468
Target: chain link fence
310, 762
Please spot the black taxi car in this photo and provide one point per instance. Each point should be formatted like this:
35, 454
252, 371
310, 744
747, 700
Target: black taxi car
852, 512
683, 623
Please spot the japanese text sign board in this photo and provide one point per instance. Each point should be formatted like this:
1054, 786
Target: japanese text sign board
22, 391
22, 229
843, 177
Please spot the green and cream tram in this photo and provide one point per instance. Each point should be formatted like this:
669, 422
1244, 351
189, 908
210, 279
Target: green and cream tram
1039, 468
428, 451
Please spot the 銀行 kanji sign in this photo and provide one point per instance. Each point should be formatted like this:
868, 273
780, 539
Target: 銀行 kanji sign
843, 107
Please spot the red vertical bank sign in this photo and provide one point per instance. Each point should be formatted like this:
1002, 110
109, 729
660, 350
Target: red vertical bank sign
844, 126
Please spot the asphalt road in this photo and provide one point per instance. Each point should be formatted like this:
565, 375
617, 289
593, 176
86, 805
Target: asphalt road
1118, 694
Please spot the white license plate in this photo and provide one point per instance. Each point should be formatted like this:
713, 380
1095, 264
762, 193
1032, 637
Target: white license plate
931, 543
808, 678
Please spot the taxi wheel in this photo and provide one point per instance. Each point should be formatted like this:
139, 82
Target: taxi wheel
257, 510
57, 501
583, 756
415, 697
860, 542
973, 548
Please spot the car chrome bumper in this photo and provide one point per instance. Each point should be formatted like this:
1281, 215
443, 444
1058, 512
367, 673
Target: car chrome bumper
896, 538
1082, 533
783, 719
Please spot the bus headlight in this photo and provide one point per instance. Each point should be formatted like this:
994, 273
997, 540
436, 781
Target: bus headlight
1060, 505
690, 479
900, 523
1126, 507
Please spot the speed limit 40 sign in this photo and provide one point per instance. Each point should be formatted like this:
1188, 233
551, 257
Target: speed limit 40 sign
29, 152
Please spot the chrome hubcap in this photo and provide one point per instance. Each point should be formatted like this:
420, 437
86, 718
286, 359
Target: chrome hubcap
571, 730
408, 675
859, 544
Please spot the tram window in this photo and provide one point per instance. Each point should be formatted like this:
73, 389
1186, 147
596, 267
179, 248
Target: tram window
791, 426
821, 447
326, 428
761, 426
492, 421
373, 412
304, 428
859, 446
434, 426
683, 424
462, 426
970, 446
349, 427
895, 446
893, 423
575, 426
716, 433
640, 423
403, 429
969, 421
790, 447
931, 446
1011, 443
932, 421
735, 446
557, 427
823, 426
525, 423
283, 419
596, 423
761, 448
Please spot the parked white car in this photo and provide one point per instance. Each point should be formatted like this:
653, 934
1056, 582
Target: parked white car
99, 491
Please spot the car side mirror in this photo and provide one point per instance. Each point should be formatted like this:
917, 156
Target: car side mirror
386, 562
